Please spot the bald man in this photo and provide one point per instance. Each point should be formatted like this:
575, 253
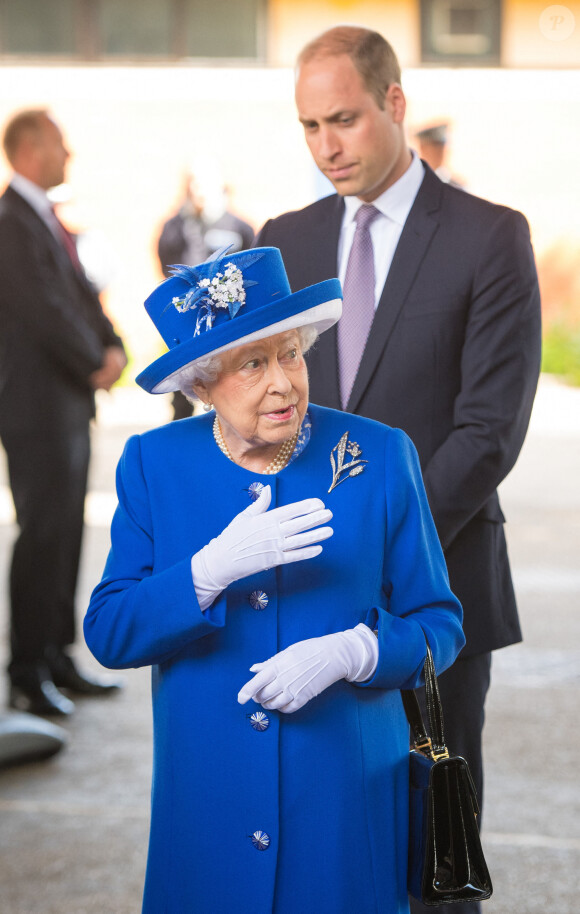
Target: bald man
57, 347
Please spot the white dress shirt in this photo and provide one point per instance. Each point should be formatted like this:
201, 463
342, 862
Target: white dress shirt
394, 205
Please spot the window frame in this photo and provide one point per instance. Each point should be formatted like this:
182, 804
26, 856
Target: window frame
88, 42
433, 56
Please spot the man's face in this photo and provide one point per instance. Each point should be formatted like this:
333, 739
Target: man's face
360, 147
52, 154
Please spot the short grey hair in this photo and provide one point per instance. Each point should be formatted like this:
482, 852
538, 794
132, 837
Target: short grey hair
25, 125
207, 368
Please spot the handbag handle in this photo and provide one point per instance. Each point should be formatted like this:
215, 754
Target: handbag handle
433, 745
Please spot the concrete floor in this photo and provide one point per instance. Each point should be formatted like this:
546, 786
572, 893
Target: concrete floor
73, 829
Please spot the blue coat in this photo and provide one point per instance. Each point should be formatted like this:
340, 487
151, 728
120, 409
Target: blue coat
327, 784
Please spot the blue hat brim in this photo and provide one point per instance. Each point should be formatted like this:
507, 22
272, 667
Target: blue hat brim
161, 376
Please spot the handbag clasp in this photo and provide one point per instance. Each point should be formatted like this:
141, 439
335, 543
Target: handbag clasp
425, 746
443, 753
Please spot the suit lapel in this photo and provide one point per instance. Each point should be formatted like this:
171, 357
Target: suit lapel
32, 217
422, 223
327, 235
323, 364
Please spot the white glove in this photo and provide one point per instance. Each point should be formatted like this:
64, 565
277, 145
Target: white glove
288, 680
258, 539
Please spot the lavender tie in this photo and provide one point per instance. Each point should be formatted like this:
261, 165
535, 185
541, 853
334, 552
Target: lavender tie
359, 301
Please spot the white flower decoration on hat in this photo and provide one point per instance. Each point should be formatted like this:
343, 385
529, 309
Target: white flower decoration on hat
225, 289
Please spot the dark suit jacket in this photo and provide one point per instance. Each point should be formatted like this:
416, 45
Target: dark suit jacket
452, 358
173, 244
53, 329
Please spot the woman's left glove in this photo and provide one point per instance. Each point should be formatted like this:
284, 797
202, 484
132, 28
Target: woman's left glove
289, 679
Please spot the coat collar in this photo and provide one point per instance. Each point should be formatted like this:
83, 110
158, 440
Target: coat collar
30, 214
34, 195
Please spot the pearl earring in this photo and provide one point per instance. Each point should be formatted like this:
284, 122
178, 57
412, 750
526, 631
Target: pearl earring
207, 407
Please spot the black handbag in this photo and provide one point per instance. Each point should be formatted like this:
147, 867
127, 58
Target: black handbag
446, 862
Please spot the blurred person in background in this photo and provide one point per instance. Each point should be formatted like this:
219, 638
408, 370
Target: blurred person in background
433, 147
56, 348
445, 284
202, 225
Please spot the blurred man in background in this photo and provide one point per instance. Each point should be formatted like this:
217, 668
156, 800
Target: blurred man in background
433, 148
202, 225
56, 348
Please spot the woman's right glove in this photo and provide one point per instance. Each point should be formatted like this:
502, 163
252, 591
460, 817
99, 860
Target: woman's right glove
258, 539
291, 678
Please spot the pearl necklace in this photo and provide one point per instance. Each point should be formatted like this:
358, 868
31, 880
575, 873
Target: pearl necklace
279, 461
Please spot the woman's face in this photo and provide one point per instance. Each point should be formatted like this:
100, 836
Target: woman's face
261, 393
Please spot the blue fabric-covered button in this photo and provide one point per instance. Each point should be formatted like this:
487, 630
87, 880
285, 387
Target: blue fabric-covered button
259, 720
261, 840
254, 490
258, 599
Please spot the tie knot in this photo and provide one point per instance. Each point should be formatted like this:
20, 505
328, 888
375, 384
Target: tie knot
365, 215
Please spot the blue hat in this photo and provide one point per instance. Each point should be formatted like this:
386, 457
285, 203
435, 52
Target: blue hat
226, 302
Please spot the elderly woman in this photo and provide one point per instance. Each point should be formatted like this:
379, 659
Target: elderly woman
284, 791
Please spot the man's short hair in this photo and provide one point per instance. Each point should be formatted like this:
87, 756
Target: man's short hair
371, 54
24, 125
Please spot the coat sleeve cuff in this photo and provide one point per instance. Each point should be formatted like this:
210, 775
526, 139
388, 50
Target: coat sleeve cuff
401, 651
